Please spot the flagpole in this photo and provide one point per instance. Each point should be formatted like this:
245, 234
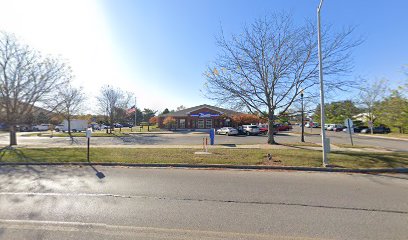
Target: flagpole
135, 113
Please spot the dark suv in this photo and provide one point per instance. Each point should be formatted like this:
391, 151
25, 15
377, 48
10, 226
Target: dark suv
380, 129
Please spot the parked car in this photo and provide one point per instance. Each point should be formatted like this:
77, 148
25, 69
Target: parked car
95, 127
23, 128
338, 128
264, 130
227, 131
41, 127
359, 128
312, 125
129, 125
356, 129
250, 129
331, 127
380, 129
282, 127
59, 127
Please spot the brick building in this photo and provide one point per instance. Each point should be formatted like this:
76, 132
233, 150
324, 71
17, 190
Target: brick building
199, 117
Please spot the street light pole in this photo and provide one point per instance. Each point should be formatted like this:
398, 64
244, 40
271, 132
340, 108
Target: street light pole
135, 114
322, 114
302, 138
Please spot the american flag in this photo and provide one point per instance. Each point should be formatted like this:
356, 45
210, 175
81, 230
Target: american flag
131, 110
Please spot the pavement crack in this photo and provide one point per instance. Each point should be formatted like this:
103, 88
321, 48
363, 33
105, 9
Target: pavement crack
203, 200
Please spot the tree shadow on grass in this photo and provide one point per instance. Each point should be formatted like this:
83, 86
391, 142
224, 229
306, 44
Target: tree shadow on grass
11, 151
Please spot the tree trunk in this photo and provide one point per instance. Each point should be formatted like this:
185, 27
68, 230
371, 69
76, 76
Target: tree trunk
110, 124
13, 136
69, 127
271, 121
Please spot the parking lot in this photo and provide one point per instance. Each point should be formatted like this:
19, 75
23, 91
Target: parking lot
193, 138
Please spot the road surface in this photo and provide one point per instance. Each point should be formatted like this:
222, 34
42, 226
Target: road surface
135, 203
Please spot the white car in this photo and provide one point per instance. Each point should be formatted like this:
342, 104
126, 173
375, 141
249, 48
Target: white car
312, 125
41, 127
227, 131
250, 129
331, 127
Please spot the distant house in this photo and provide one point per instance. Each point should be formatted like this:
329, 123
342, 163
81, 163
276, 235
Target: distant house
363, 117
199, 117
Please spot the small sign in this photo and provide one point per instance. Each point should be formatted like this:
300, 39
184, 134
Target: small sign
348, 123
370, 124
350, 128
88, 133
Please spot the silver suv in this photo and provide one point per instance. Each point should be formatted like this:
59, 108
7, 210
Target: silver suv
250, 129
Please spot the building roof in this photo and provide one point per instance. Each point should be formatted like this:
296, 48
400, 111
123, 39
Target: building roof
187, 111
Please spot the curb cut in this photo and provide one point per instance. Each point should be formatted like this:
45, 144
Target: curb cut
219, 166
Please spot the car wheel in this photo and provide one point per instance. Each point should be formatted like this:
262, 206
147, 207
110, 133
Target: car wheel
247, 133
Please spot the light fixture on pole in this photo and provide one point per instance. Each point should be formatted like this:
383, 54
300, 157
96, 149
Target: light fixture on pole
302, 138
325, 142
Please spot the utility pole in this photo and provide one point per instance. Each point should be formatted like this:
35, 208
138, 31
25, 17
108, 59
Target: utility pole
302, 138
325, 141
135, 113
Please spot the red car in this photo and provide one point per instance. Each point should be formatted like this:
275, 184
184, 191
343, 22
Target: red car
282, 127
264, 130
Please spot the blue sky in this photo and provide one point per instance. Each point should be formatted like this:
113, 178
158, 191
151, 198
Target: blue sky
160, 49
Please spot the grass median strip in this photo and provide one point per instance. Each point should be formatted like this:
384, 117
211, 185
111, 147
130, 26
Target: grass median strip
283, 157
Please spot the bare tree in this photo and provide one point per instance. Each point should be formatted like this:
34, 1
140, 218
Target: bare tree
179, 108
68, 102
265, 67
111, 101
26, 79
370, 95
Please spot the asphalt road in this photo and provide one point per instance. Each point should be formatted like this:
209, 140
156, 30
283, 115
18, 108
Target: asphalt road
196, 139
135, 203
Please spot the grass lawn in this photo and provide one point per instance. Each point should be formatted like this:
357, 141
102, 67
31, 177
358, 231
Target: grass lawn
299, 157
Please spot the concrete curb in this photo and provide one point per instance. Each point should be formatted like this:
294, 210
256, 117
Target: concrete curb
381, 137
218, 166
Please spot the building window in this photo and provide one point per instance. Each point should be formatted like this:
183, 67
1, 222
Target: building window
200, 123
208, 123
182, 123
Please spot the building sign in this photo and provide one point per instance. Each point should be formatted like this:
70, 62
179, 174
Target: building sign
204, 115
